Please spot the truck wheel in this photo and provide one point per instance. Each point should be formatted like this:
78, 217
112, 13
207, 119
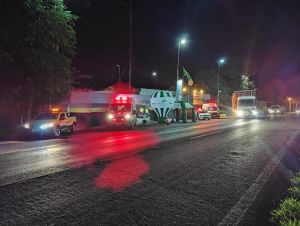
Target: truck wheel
57, 131
73, 128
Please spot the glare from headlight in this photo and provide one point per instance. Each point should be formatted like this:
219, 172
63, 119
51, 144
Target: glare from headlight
127, 116
239, 113
298, 111
110, 116
270, 111
26, 126
254, 112
46, 125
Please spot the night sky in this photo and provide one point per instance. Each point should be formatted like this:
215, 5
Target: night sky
263, 32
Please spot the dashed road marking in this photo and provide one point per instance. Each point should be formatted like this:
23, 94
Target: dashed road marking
205, 135
237, 212
10, 142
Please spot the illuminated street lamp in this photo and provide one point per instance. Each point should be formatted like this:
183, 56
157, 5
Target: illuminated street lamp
154, 74
221, 61
181, 42
184, 89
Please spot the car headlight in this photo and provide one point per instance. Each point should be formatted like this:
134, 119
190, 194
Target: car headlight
240, 113
270, 111
298, 111
127, 116
26, 126
110, 116
254, 112
46, 125
277, 111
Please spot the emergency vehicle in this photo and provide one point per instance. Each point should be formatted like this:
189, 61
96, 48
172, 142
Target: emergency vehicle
122, 112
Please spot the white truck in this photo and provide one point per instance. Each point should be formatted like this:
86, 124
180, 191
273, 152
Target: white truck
244, 104
54, 122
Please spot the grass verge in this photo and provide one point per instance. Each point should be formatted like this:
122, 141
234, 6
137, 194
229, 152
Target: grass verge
288, 212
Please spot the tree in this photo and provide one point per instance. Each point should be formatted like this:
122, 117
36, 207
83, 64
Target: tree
208, 81
247, 83
230, 78
37, 45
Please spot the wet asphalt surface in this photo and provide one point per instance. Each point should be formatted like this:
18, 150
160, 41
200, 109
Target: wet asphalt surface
227, 172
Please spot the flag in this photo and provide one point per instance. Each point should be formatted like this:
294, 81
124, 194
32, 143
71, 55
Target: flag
189, 78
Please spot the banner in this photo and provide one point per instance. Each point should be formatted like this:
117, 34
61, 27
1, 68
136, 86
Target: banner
189, 78
162, 102
179, 89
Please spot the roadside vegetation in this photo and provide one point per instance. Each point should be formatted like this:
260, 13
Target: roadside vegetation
288, 212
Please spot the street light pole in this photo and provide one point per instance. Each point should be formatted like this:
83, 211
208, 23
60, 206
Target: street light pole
290, 104
130, 45
220, 62
182, 41
119, 68
155, 75
178, 53
201, 92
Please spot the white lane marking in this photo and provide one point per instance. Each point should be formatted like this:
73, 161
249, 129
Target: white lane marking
11, 142
28, 149
237, 212
205, 135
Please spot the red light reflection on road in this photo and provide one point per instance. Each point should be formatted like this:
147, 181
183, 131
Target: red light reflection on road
122, 173
87, 148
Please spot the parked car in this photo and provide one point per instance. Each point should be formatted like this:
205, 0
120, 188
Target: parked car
203, 115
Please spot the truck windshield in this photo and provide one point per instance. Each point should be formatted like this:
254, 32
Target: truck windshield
213, 108
45, 116
121, 108
247, 102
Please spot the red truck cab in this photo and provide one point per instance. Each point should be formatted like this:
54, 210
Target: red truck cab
122, 112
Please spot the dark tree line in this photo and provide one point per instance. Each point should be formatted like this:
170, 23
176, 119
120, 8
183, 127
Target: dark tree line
37, 46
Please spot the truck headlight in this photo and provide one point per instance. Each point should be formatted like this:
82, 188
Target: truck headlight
26, 126
110, 116
46, 125
239, 113
127, 116
254, 112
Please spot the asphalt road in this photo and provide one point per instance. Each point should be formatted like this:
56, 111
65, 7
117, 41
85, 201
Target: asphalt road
218, 172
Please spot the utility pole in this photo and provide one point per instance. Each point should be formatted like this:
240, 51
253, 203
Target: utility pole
50, 99
130, 45
119, 74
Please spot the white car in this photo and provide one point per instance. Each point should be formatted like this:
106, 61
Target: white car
142, 119
276, 109
203, 115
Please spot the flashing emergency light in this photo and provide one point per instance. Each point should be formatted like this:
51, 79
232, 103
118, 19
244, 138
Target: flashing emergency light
121, 99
